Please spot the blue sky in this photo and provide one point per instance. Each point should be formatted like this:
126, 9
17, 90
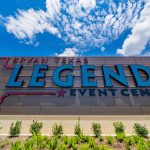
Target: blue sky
75, 28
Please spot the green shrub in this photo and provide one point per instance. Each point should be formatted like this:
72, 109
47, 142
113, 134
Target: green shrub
18, 145
96, 127
54, 143
62, 147
30, 144
47, 140
84, 139
77, 129
73, 146
65, 140
84, 147
140, 130
15, 128
119, 127
138, 139
103, 147
140, 142
127, 147
37, 141
36, 127
4, 143
40, 140
129, 140
57, 130
120, 137
148, 143
96, 147
142, 146
72, 142
110, 140
92, 143
101, 138
77, 138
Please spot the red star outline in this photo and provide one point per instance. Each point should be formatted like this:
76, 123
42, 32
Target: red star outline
61, 93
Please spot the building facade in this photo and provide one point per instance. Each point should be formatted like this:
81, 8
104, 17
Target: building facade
114, 93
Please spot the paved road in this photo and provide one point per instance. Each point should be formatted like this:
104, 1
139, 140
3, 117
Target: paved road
68, 123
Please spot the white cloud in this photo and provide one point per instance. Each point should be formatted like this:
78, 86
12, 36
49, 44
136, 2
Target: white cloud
103, 49
53, 8
69, 52
103, 25
29, 23
87, 4
136, 42
84, 23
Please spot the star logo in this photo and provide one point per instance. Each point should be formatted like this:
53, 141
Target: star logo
61, 93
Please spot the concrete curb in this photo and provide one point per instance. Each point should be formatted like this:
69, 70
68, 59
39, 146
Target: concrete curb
92, 135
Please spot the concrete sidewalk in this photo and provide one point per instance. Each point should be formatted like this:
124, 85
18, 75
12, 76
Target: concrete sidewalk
69, 122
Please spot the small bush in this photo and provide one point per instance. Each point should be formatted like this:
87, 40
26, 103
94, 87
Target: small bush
54, 143
148, 144
65, 140
18, 145
96, 127
127, 146
40, 140
103, 147
138, 139
15, 128
140, 130
4, 143
84, 139
101, 138
110, 140
57, 130
73, 143
120, 137
77, 129
84, 147
142, 146
92, 143
119, 127
129, 140
62, 147
36, 127
77, 139
75, 147
47, 140
30, 144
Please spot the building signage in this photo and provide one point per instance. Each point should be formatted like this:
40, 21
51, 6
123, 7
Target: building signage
87, 76
65, 83
10, 62
74, 85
